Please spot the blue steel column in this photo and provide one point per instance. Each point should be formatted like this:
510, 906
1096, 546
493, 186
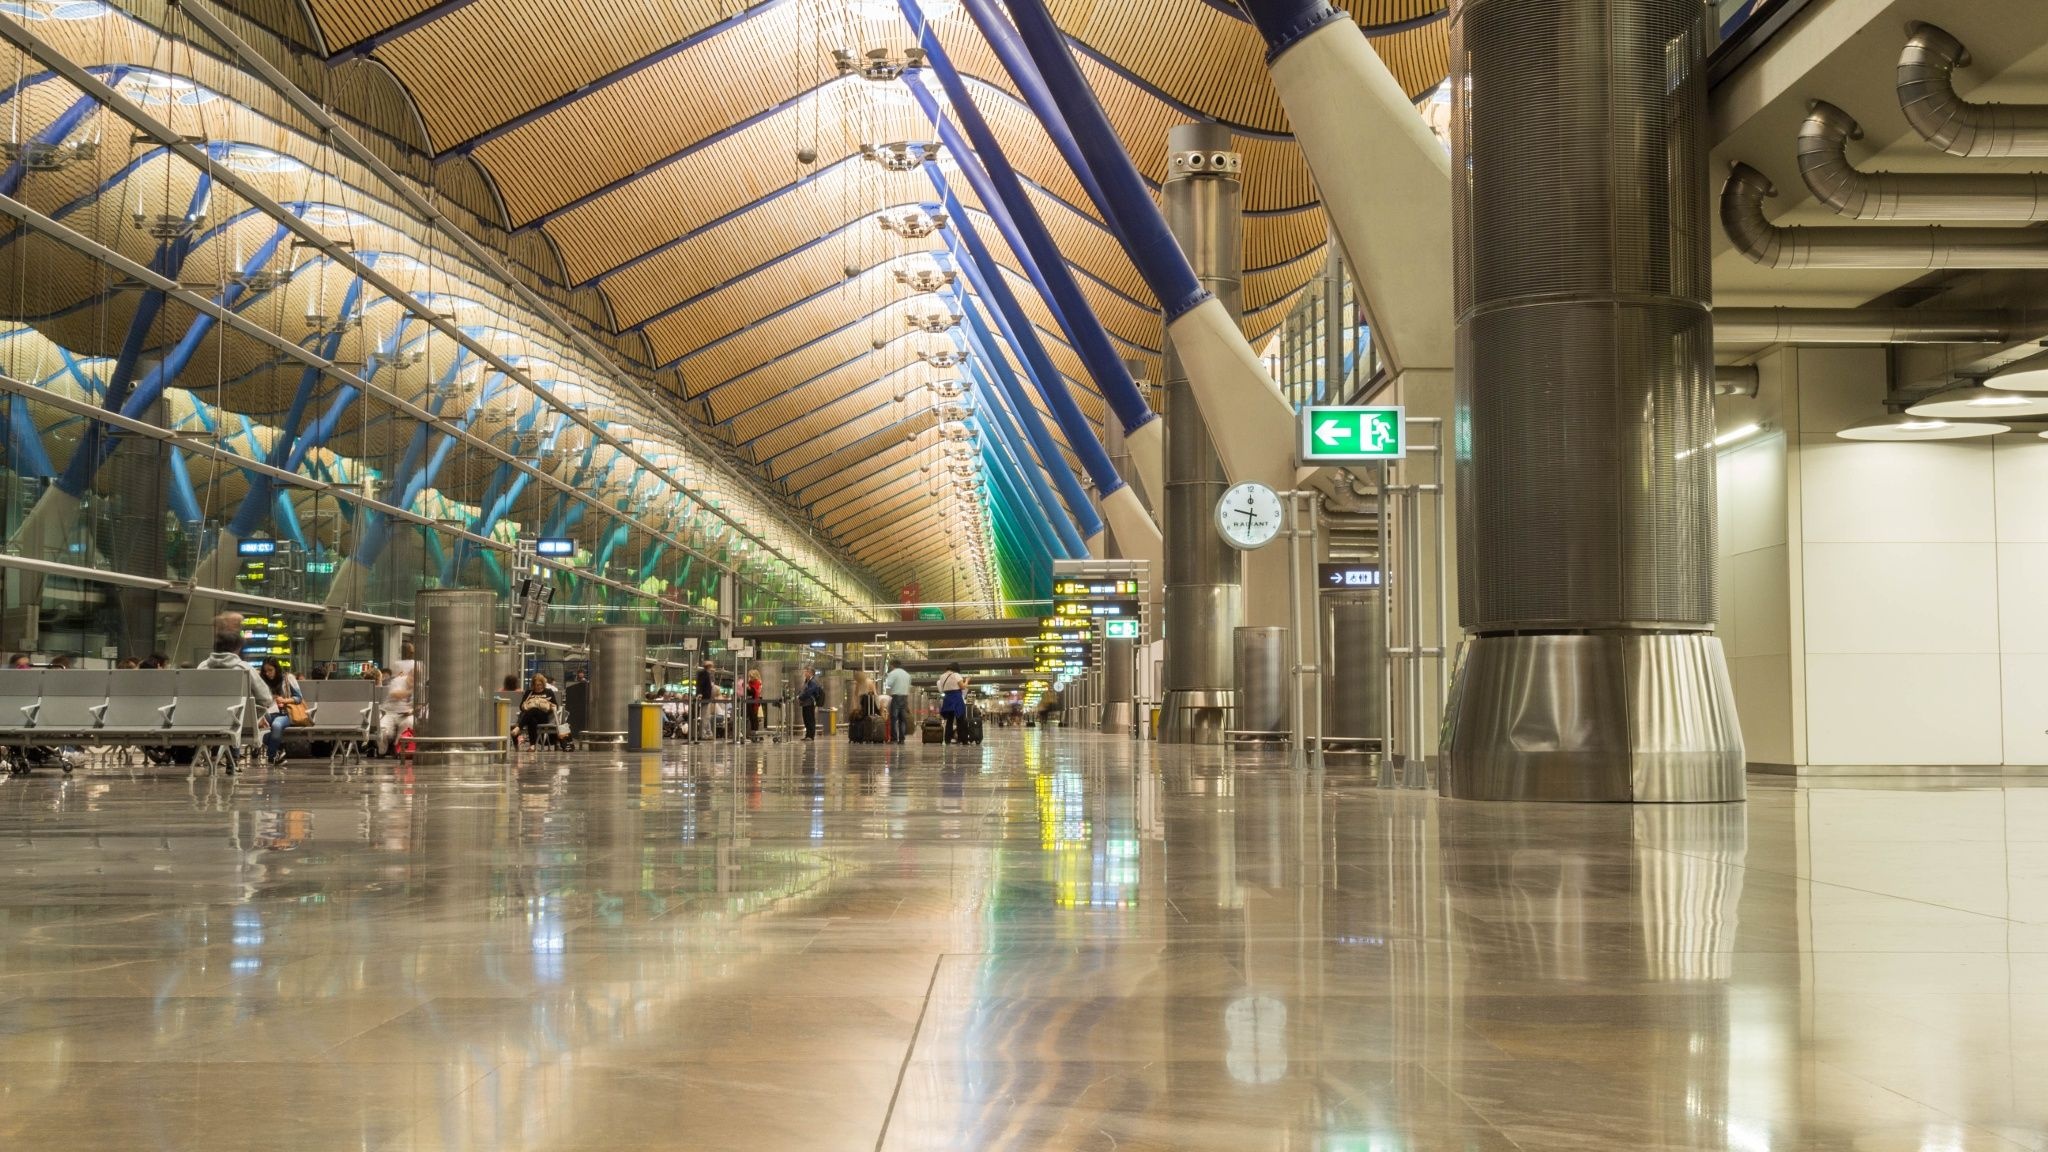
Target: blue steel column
1016, 327
1044, 263
998, 420
990, 353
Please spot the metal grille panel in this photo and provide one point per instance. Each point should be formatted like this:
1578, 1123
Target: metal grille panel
1585, 358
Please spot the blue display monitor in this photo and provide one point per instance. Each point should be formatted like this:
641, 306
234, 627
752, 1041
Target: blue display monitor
555, 546
255, 547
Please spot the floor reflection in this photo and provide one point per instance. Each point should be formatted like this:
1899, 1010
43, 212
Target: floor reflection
1055, 941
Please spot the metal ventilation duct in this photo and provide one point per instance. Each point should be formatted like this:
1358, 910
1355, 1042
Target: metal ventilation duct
1585, 383
1927, 95
1765, 243
1858, 326
2010, 198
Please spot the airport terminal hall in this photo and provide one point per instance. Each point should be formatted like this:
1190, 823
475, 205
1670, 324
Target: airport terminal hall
1024, 575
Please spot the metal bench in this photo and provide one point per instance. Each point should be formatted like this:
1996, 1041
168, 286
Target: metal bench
206, 708
344, 712
211, 710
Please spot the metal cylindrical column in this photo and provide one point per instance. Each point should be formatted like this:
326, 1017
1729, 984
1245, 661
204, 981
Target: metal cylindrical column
1204, 576
1119, 684
1585, 378
457, 649
618, 662
1261, 656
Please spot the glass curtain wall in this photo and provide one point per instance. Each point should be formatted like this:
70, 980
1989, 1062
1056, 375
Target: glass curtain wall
235, 370
1325, 330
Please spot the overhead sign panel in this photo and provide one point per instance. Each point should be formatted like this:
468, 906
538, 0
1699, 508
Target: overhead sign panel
1348, 575
1351, 434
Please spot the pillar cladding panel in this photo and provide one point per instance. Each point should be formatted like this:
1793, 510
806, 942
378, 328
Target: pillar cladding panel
1585, 355
1589, 492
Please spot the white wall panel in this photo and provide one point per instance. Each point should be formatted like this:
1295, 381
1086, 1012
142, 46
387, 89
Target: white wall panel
1756, 605
1906, 710
2024, 698
2023, 596
1901, 598
1763, 702
1857, 491
2022, 475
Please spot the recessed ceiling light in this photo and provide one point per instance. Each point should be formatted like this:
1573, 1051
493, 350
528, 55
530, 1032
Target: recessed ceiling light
1900, 426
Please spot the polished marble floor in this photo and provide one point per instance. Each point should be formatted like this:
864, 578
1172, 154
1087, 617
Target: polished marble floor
1057, 941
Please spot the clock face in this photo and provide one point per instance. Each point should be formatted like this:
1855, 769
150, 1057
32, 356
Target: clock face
1248, 515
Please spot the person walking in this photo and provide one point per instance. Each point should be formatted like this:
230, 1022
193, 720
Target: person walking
953, 702
394, 718
896, 686
808, 698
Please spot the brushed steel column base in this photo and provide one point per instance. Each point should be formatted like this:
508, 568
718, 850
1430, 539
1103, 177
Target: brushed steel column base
1196, 715
1629, 717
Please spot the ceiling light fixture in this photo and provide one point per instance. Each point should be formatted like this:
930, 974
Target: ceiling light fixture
1898, 426
1971, 401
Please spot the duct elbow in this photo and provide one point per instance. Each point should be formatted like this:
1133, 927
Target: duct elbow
1824, 160
1743, 219
1927, 92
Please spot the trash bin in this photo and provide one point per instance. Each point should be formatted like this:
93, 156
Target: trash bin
645, 735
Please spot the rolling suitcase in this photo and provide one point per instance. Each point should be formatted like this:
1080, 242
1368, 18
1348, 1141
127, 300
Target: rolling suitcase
970, 726
866, 725
932, 731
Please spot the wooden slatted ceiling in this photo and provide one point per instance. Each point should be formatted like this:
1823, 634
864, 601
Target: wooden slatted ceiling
818, 478
530, 51
753, 70
873, 398
345, 22
818, 394
832, 439
719, 314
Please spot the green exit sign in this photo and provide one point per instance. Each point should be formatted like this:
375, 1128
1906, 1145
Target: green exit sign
1120, 629
1353, 433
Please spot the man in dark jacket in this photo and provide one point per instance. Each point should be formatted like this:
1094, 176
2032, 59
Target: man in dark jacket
810, 696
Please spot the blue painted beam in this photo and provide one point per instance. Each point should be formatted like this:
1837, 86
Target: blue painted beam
1016, 329
100, 440
998, 423
1026, 234
975, 332
1126, 199
256, 501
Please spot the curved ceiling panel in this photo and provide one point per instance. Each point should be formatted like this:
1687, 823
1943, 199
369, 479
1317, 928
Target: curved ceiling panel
692, 171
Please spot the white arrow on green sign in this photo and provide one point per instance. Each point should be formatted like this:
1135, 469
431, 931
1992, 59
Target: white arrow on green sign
1349, 434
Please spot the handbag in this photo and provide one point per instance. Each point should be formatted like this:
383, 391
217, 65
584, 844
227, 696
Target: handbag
538, 702
298, 714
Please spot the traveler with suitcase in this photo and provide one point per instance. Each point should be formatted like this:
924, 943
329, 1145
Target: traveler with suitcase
896, 686
952, 703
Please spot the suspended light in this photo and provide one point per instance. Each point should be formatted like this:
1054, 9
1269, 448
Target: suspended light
911, 222
2028, 375
1898, 426
901, 155
1972, 401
